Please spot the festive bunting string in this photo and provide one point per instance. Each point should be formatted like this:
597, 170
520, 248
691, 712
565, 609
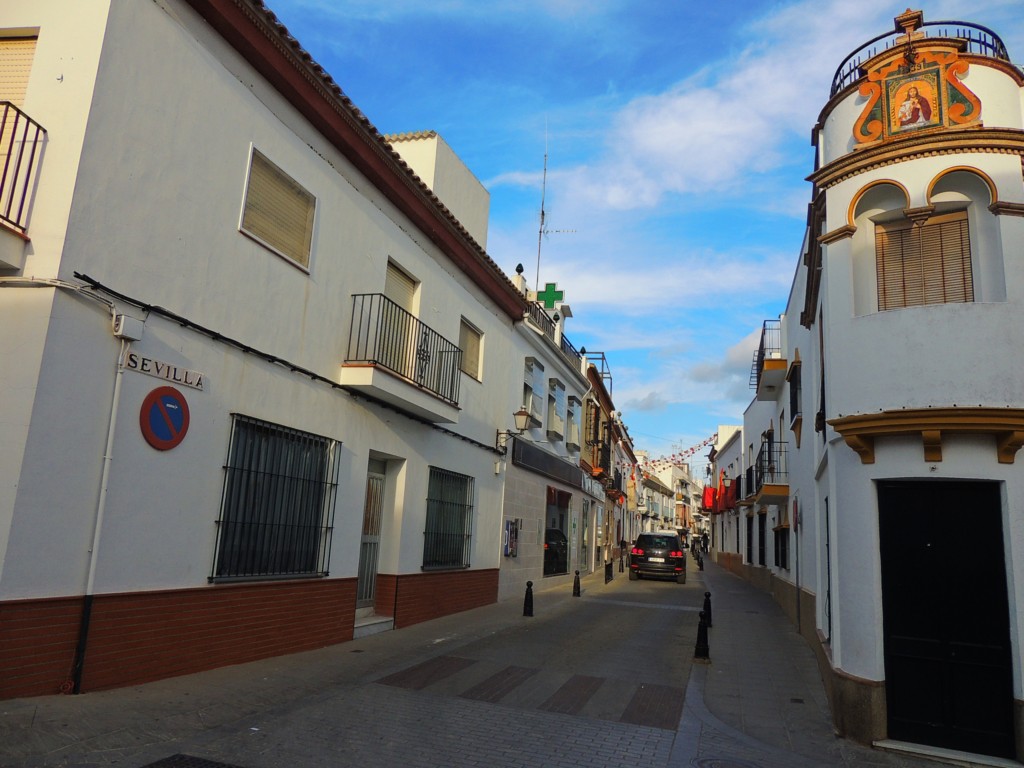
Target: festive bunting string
678, 458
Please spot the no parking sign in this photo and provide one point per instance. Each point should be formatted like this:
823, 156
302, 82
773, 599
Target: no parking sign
164, 418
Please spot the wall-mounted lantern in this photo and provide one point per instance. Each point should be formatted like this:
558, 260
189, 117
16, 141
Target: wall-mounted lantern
522, 419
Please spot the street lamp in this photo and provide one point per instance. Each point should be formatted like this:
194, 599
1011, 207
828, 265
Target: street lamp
522, 419
726, 480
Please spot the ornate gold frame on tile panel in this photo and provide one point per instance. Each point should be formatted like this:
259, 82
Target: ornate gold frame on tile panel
1006, 425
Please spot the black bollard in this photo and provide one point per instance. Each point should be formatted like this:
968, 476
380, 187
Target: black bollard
707, 609
576, 585
528, 601
621, 566
701, 650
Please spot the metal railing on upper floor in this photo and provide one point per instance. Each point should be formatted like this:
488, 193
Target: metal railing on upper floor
21, 147
542, 320
772, 466
977, 39
770, 346
385, 334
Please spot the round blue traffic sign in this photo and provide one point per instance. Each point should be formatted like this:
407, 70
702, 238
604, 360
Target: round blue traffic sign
164, 418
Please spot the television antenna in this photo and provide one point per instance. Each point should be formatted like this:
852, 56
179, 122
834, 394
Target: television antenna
542, 231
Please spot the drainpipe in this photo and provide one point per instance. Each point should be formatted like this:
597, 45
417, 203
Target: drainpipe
126, 336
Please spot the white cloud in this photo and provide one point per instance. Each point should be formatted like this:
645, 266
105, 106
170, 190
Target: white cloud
634, 287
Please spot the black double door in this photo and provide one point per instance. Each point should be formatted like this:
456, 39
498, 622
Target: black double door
946, 617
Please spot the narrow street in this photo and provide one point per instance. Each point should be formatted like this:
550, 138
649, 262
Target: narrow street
604, 679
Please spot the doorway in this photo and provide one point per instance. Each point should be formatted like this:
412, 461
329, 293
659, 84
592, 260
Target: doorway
369, 544
946, 623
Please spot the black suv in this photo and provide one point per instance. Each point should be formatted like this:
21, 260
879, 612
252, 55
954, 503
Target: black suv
657, 554
556, 552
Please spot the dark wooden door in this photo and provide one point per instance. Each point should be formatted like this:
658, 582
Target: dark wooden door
946, 616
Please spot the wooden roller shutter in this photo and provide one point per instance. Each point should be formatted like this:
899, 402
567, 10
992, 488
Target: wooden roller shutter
926, 263
15, 65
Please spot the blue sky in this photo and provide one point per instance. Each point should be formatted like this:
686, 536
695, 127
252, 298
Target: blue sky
678, 141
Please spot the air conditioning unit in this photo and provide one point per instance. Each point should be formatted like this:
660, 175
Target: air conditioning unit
126, 327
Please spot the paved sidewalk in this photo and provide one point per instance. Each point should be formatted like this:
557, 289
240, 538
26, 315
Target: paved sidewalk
759, 703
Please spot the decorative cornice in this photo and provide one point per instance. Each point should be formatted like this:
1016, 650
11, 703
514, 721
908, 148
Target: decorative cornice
1000, 208
919, 215
1006, 425
932, 144
835, 235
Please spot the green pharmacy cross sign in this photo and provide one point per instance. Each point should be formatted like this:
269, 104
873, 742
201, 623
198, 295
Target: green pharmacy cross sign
549, 296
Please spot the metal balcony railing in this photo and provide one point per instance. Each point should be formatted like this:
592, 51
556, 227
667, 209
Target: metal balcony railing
543, 320
770, 346
771, 467
384, 334
21, 146
570, 352
979, 40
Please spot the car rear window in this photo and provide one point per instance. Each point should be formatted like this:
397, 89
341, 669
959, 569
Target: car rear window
658, 542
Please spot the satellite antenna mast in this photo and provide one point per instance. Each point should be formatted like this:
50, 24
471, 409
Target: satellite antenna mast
543, 192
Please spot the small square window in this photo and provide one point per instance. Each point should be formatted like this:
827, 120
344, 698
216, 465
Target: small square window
278, 212
470, 342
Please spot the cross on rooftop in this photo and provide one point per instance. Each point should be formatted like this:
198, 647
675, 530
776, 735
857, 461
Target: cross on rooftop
550, 295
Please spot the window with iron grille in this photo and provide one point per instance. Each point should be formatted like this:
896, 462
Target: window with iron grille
795, 392
448, 535
782, 548
762, 524
278, 211
927, 263
277, 509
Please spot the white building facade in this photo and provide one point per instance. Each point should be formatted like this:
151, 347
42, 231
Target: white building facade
253, 365
884, 437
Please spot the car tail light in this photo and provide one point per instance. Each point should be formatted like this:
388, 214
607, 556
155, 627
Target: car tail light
636, 551
675, 554
545, 545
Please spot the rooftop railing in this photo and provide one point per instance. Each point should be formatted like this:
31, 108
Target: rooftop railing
542, 320
978, 40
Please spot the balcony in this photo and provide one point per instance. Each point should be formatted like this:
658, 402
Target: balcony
768, 369
771, 473
21, 148
395, 358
